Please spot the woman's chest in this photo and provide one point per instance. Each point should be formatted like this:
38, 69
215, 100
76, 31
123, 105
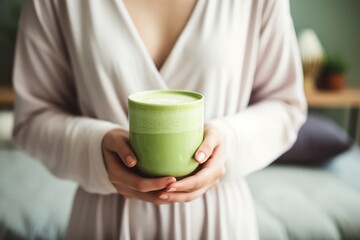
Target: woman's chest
217, 37
158, 24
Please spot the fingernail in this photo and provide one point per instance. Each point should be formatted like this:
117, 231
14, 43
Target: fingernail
200, 157
171, 190
170, 180
130, 161
163, 197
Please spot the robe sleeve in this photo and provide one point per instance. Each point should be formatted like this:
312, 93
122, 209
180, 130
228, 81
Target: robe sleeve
47, 122
257, 135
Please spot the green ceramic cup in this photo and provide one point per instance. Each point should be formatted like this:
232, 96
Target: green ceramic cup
166, 128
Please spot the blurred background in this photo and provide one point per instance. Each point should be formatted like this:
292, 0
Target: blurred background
337, 26
321, 170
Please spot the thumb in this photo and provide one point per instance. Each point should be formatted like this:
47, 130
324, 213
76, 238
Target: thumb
206, 148
126, 154
116, 141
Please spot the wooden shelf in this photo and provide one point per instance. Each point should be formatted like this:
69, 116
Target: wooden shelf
348, 97
7, 96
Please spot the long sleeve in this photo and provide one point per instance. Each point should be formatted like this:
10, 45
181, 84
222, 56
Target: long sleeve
257, 135
47, 121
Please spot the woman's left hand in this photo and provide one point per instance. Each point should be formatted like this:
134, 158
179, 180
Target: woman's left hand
211, 155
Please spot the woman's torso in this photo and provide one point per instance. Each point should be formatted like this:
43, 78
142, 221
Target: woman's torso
215, 54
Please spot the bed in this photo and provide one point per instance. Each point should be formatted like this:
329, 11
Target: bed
292, 201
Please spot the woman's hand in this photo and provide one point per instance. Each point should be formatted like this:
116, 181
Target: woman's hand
210, 155
118, 158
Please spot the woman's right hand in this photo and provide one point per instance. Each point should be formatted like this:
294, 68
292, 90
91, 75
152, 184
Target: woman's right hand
118, 158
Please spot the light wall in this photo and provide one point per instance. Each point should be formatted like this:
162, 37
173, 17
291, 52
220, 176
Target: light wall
9, 14
337, 24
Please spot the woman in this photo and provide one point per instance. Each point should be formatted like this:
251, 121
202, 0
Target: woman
76, 63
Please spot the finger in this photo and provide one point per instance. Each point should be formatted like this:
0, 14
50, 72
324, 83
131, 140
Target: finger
145, 184
126, 154
184, 196
206, 148
118, 141
148, 196
212, 170
120, 175
193, 183
121, 146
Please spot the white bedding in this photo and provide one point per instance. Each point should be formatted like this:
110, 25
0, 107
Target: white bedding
291, 202
309, 203
33, 203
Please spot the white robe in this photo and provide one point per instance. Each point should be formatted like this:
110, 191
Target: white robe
77, 62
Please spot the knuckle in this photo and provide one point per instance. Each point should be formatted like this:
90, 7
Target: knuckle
189, 198
112, 136
207, 148
121, 191
127, 196
108, 138
111, 178
157, 201
141, 186
196, 185
193, 187
171, 198
214, 132
123, 151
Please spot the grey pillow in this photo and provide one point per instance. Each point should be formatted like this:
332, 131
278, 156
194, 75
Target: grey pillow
319, 140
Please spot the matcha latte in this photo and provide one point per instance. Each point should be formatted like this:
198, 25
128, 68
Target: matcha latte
166, 128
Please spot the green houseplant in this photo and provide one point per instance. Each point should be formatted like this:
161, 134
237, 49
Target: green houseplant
332, 74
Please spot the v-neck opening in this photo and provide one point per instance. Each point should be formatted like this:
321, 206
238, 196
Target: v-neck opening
141, 44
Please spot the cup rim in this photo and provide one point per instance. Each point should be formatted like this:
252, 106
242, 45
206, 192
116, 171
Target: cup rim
137, 103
